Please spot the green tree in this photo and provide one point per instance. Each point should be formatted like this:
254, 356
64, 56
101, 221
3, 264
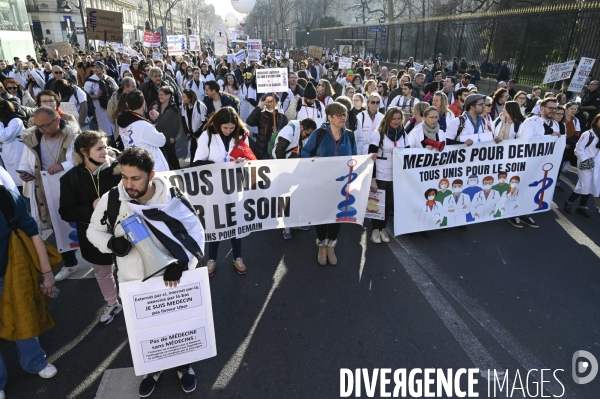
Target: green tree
329, 21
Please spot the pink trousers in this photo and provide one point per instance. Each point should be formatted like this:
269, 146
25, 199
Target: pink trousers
106, 281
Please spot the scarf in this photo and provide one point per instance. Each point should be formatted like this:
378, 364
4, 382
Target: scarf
429, 133
395, 134
171, 222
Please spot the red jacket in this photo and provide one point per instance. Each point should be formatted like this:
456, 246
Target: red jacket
456, 109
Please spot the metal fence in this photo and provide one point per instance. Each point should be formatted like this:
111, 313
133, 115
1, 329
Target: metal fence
529, 39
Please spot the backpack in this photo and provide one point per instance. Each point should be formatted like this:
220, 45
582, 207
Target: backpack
461, 126
106, 88
273, 140
317, 103
320, 136
90, 103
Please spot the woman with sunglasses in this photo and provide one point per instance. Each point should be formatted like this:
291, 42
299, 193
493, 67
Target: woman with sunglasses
16, 90
335, 140
488, 105
367, 122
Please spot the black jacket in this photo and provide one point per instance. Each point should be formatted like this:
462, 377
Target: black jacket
227, 100
150, 91
77, 195
264, 121
168, 122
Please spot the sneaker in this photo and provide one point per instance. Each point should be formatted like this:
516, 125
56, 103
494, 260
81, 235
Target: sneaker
109, 313
210, 265
239, 266
48, 372
376, 236
2, 395
583, 211
287, 234
65, 272
305, 228
515, 222
188, 378
528, 220
148, 384
567, 207
384, 235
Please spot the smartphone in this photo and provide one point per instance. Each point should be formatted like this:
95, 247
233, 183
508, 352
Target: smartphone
24, 172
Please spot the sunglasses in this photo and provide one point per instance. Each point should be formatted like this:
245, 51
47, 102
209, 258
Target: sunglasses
66, 69
488, 105
11, 87
374, 102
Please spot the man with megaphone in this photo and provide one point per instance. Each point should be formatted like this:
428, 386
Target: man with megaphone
152, 229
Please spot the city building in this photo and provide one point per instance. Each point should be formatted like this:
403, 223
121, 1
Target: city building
15, 34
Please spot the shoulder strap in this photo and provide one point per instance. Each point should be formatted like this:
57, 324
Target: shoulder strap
320, 135
363, 118
590, 140
461, 126
112, 210
7, 207
176, 193
497, 122
352, 138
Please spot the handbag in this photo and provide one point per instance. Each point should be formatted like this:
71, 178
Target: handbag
587, 164
242, 150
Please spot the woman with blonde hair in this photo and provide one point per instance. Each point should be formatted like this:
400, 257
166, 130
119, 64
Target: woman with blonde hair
367, 122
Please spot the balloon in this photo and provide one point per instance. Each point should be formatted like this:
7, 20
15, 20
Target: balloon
243, 6
230, 20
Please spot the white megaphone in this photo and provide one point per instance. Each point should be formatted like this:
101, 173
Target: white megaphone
154, 260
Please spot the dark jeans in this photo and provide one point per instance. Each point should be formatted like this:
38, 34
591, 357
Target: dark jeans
388, 186
236, 246
582, 202
193, 148
69, 258
171, 155
330, 231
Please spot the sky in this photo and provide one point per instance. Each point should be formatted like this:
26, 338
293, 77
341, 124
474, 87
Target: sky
223, 7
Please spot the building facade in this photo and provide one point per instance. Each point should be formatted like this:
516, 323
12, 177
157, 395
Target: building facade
15, 34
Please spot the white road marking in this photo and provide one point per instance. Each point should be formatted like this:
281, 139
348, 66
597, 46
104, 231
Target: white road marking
119, 384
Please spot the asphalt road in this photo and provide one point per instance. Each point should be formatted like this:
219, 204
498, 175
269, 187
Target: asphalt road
489, 297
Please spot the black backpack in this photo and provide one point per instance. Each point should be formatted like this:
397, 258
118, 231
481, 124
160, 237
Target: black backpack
107, 90
90, 102
320, 136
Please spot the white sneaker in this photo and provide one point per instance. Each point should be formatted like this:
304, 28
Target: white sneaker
384, 236
376, 237
48, 372
65, 272
2, 395
109, 313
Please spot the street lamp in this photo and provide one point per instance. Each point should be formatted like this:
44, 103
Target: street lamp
287, 29
67, 8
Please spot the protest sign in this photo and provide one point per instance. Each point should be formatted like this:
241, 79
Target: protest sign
240, 56
254, 49
345, 63
63, 48
230, 58
234, 200
418, 67
424, 182
220, 42
315, 51
125, 67
297, 55
581, 74
376, 205
157, 56
65, 232
558, 72
278, 54
271, 80
194, 42
176, 44
104, 25
151, 39
345, 50
69, 108
169, 327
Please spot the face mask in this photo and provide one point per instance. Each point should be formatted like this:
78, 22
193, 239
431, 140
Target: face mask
472, 182
190, 73
444, 186
513, 185
456, 190
502, 181
487, 186
431, 197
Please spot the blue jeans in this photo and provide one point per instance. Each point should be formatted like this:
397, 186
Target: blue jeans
31, 355
236, 246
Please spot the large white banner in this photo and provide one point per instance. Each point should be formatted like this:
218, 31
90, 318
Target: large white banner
271, 80
176, 44
169, 327
254, 49
66, 233
558, 72
581, 74
234, 200
464, 185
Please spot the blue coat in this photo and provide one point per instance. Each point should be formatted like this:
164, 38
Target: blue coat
326, 148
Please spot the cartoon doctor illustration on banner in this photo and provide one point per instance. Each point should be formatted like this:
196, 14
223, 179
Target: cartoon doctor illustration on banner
512, 200
485, 203
456, 205
432, 212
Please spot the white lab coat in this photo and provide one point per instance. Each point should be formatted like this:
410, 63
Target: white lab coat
456, 211
407, 106
482, 208
245, 106
365, 126
92, 88
510, 204
483, 133
431, 217
588, 182
416, 136
385, 153
11, 147
144, 135
534, 127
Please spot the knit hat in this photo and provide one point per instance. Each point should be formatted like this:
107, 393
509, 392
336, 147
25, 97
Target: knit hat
247, 75
98, 63
471, 98
350, 75
310, 93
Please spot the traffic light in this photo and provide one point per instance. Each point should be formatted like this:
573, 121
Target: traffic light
189, 31
307, 30
189, 22
147, 25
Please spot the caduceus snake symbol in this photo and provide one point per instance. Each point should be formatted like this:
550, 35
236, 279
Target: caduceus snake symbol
546, 184
347, 212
